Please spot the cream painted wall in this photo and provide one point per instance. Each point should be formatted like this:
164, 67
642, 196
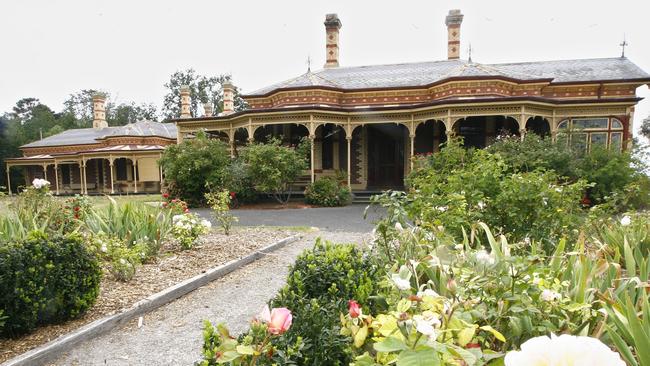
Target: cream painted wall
148, 169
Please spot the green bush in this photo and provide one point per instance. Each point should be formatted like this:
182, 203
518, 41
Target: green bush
46, 280
238, 181
318, 288
273, 167
193, 164
327, 192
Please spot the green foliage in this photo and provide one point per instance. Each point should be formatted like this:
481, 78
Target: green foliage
46, 280
194, 164
220, 204
318, 288
460, 187
131, 222
187, 228
238, 181
122, 259
273, 167
328, 192
203, 89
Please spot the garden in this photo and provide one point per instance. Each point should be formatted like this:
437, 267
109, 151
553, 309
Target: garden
65, 262
524, 253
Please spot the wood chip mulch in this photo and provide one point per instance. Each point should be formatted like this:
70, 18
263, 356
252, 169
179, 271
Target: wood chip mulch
169, 268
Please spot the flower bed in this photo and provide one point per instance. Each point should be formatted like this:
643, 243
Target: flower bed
170, 267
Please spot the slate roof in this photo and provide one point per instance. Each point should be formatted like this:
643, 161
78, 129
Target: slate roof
425, 73
84, 136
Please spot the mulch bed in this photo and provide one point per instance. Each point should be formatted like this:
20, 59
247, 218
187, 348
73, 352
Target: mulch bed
171, 267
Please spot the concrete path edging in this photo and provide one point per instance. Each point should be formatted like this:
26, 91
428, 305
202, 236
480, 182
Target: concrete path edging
52, 349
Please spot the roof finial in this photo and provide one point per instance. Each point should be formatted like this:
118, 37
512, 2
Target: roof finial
470, 53
308, 64
623, 44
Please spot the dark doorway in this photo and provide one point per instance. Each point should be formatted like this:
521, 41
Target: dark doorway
539, 126
386, 156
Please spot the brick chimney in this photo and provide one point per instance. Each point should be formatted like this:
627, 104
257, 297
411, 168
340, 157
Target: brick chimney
332, 26
207, 109
453, 20
99, 111
228, 98
186, 103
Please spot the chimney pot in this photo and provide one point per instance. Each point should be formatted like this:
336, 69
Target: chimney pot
228, 98
186, 102
99, 111
332, 26
453, 21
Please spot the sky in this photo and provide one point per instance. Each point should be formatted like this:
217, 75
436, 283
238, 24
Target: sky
52, 48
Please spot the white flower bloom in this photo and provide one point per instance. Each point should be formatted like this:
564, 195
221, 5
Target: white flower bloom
536, 280
426, 323
563, 350
459, 246
481, 205
484, 258
626, 220
425, 328
401, 283
40, 183
428, 292
104, 248
527, 240
442, 208
545, 201
434, 262
398, 227
558, 189
177, 218
206, 223
550, 295
122, 261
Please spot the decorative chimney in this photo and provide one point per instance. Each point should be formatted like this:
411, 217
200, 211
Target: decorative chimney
332, 26
186, 103
453, 20
228, 98
99, 111
207, 108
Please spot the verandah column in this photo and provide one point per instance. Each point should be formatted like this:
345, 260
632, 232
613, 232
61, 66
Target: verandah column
412, 137
45, 171
311, 143
349, 140
56, 177
135, 175
110, 163
8, 180
84, 186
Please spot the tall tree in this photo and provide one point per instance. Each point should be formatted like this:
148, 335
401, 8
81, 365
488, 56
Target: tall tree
130, 112
80, 105
645, 128
203, 89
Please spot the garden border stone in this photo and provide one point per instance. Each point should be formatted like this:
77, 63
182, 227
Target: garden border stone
53, 349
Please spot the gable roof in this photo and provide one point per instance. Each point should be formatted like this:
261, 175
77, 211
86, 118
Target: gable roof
426, 73
85, 136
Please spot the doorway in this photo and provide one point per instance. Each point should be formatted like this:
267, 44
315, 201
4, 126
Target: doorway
386, 146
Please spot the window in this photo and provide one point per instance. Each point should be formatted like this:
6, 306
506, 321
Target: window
583, 133
598, 139
120, 169
616, 124
590, 123
65, 174
616, 141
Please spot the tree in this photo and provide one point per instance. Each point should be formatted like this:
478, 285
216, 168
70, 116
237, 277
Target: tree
203, 89
23, 108
194, 164
645, 128
80, 105
131, 113
274, 167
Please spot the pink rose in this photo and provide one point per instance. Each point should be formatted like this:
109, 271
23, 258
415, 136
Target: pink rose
354, 309
278, 319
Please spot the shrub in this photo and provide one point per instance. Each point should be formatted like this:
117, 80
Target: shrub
238, 180
192, 164
327, 192
220, 204
46, 280
122, 260
274, 167
318, 288
187, 228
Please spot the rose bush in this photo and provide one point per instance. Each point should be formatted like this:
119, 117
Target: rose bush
187, 228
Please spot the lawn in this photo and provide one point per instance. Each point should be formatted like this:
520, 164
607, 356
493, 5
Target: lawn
96, 201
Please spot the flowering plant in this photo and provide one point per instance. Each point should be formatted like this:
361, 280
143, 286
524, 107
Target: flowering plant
174, 205
122, 260
187, 227
563, 350
220, 203
40, 184
221, 348
77, 207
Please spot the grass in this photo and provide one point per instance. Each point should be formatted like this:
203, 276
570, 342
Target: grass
96, 201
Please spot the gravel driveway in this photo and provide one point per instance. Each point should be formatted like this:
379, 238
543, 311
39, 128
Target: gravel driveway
172, 335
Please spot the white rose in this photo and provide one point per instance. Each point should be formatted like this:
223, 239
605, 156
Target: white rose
481, 205
401, 283
428, 292
563, 350
40, 183
484, 258
626, 220
206, 223
398, 227
550, 295
104, 249
442, 208
122, 261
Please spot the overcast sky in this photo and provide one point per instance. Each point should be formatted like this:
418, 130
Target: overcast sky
50, 48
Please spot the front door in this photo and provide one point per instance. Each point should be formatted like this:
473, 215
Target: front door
385, 156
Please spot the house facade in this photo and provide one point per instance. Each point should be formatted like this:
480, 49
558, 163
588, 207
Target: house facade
98, 160
369, 121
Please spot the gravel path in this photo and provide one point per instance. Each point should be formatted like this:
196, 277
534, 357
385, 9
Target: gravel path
172, 335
